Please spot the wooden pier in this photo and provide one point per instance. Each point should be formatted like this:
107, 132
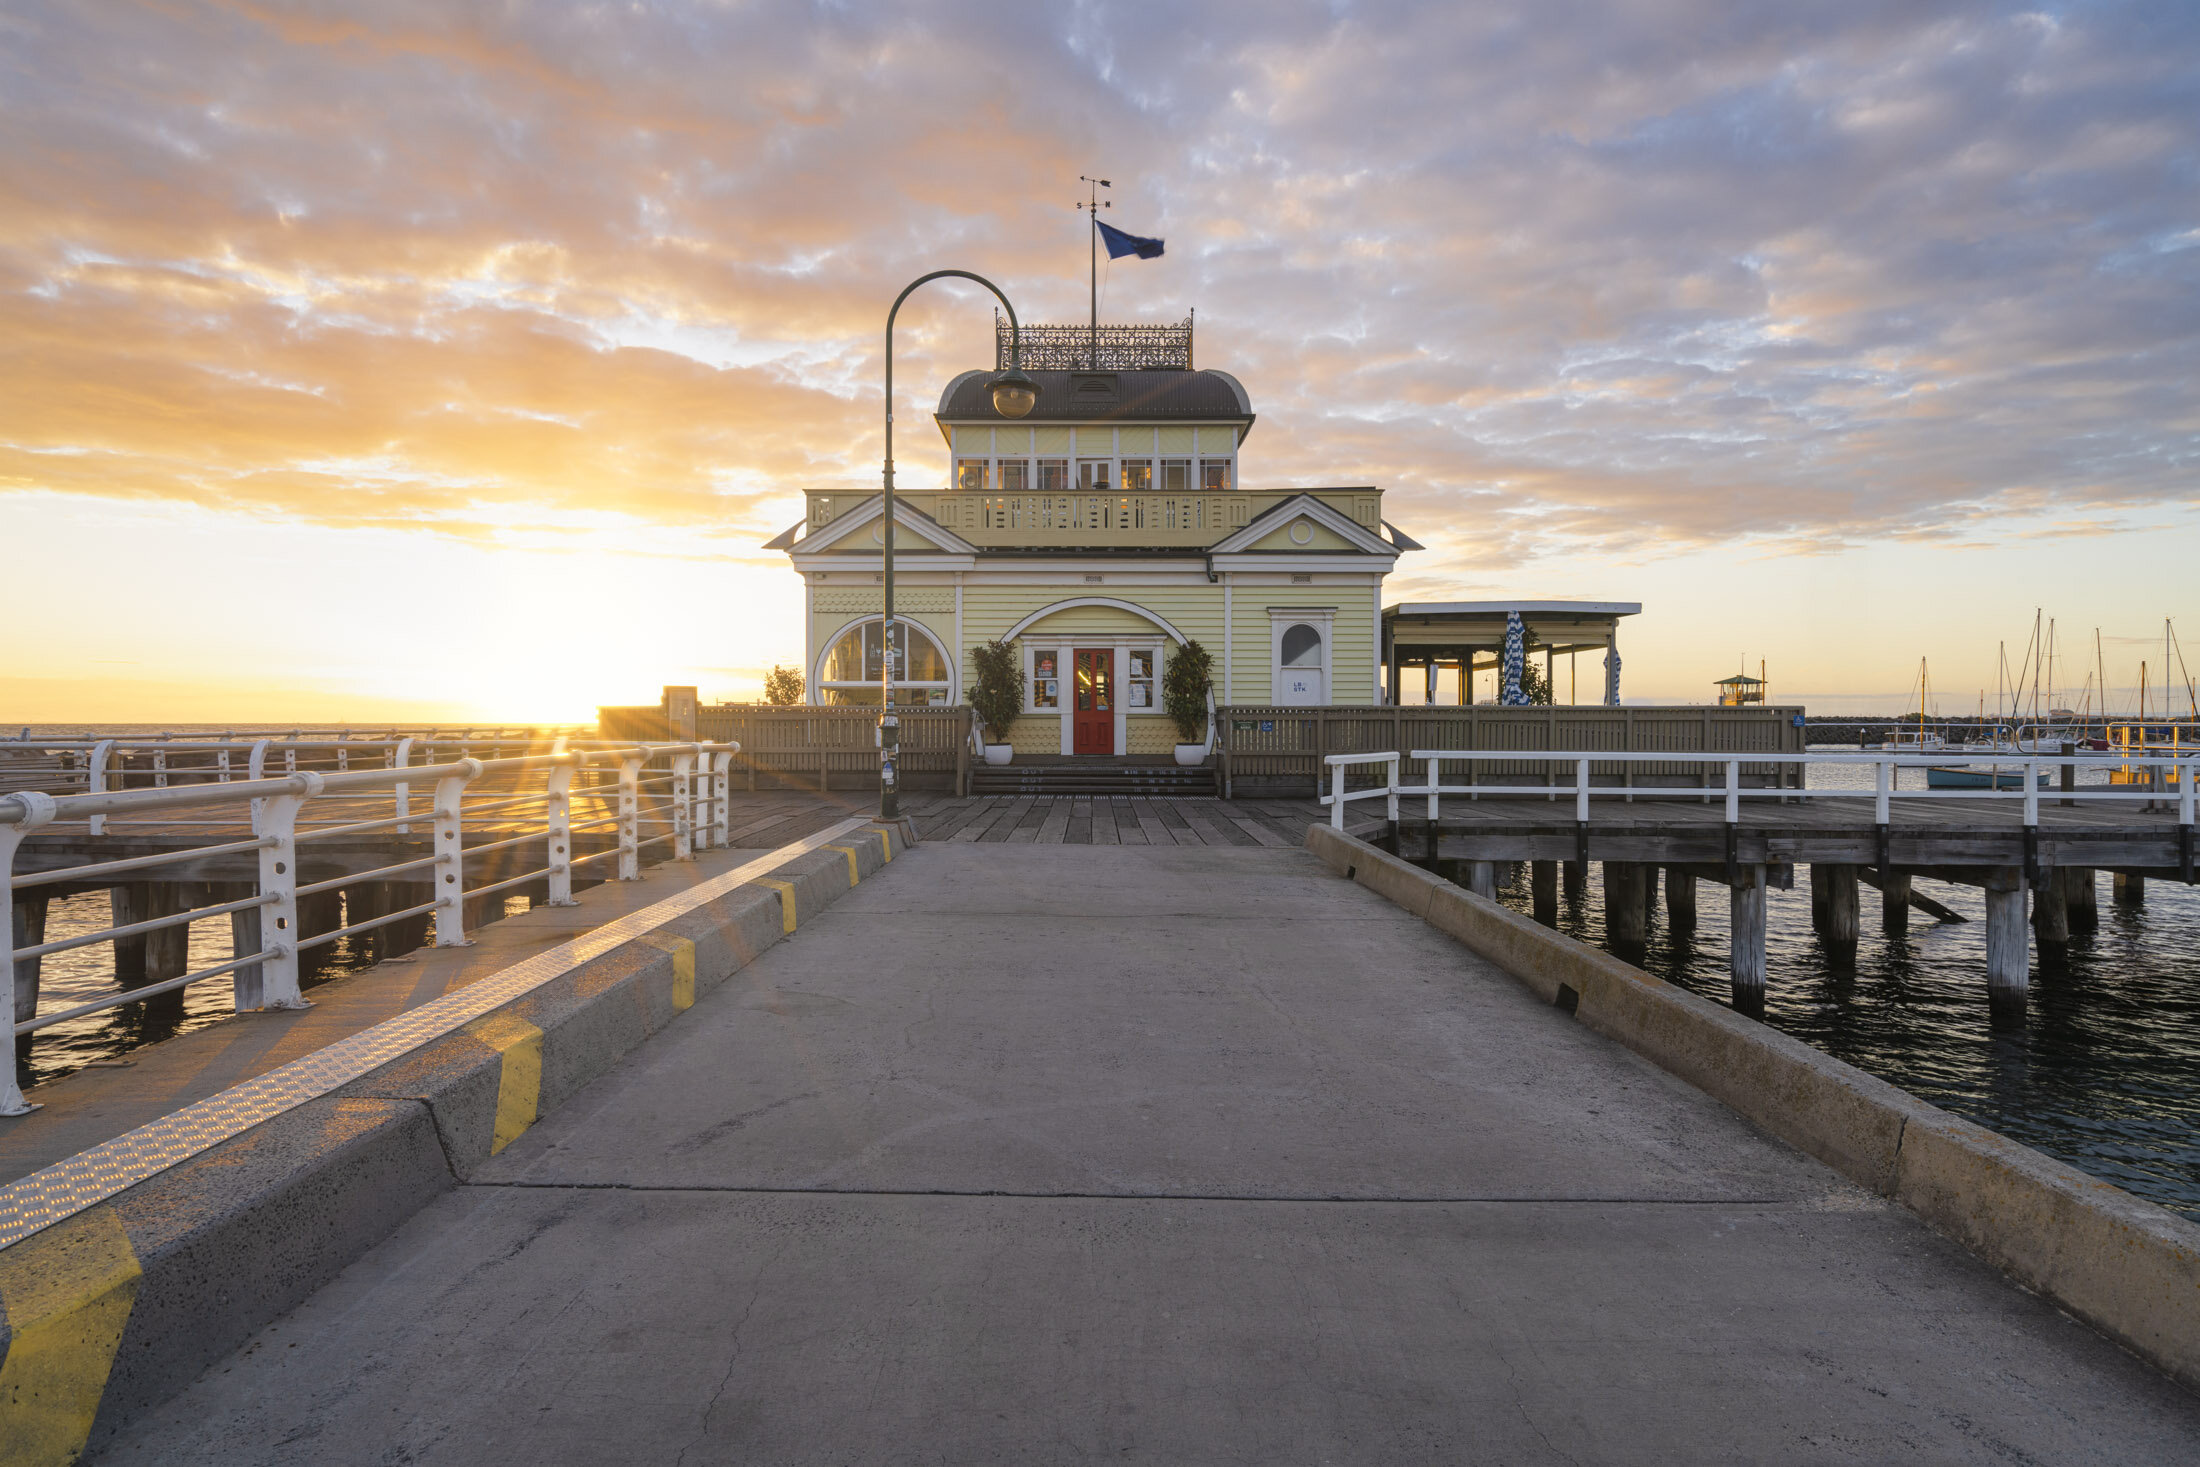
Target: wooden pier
1684, 841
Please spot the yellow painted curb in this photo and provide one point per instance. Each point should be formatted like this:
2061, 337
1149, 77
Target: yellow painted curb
850, 853
683, 965
519, 1076
68, 1292
786, 898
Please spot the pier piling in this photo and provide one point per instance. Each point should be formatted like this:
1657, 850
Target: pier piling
1570, 874
2051, 909
1680, 900
1894, 901
2008, 955
1543, 882
27, 917
1835, 905
2130, 891
246, 985
153, 957
1482, 878
1626, 910
1746, 938
2082, 901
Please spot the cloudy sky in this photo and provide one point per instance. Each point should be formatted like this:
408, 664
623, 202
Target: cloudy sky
450, 359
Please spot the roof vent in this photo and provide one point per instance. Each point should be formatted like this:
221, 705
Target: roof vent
1094, 387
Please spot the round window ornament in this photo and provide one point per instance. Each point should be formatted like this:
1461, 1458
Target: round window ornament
1302, 532
878, 535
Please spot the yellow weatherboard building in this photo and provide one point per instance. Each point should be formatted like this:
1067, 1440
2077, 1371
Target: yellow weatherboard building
1098, 533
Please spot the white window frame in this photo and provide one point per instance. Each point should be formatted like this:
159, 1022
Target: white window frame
1322, 619
818, 684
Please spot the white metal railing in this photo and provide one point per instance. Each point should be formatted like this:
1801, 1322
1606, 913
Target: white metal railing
2174, 775
527, 799
95, 765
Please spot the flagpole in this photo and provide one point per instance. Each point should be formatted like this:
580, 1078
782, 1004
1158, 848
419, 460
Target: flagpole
1091, 207
1092, 249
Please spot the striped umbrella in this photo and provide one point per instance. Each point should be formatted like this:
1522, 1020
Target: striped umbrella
1516, 660
1611, 672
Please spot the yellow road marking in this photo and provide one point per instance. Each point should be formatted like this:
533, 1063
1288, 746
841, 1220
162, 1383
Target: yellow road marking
886, 839
68, 1292
683, 965
850, 853
519, 1075
786, 898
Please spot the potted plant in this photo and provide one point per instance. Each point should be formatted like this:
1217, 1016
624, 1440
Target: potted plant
1184, 698
997, 696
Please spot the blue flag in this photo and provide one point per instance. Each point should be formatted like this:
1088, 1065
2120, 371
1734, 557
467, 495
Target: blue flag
1120, 244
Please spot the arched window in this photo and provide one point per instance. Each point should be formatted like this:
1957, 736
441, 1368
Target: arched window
853, 666
1302, 646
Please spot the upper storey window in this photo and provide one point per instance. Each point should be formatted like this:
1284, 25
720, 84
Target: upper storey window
970, 475
1214, 475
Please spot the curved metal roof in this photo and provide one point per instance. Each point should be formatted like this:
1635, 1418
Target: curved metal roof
1159, 396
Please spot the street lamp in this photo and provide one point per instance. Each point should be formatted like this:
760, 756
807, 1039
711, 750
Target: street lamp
1014, 395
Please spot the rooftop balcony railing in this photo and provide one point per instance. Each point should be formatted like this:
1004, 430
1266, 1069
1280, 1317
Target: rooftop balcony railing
1127, 520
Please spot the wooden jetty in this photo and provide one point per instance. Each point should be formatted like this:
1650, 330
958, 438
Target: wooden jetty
1683, 841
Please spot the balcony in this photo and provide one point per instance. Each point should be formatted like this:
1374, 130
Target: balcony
1113, 521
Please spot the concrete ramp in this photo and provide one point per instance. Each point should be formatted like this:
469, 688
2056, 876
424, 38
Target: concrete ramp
1053, 1154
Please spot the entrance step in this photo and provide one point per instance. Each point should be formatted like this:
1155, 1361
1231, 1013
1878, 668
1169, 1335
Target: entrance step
1093, 779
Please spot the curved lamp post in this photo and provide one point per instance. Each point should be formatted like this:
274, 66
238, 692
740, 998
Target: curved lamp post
1014, 395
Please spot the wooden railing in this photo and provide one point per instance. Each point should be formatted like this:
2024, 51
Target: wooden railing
837, 748
1280, 750
1193, 518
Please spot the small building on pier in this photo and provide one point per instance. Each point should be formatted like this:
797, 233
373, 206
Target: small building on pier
1108, 527
1100, 533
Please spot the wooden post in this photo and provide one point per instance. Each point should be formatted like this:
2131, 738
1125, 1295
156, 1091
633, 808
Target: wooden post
130, 902
2083, 902
1482, 878
153, 957
1570, 874
408, 933
246, 988
1680, 900
363, 903
962, 759
1625, 910
1746, 938
1894, 900
2008, 957
2130, 891
27, 918
2051, 910
1543, 880
1842, 918
320, 913
1818, 885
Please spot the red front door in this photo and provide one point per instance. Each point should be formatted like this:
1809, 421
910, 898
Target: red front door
1095, 715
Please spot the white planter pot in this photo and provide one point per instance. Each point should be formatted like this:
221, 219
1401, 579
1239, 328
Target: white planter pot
1189, 754
998, 753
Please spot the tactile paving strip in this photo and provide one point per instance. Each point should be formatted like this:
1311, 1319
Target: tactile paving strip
52, 1193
